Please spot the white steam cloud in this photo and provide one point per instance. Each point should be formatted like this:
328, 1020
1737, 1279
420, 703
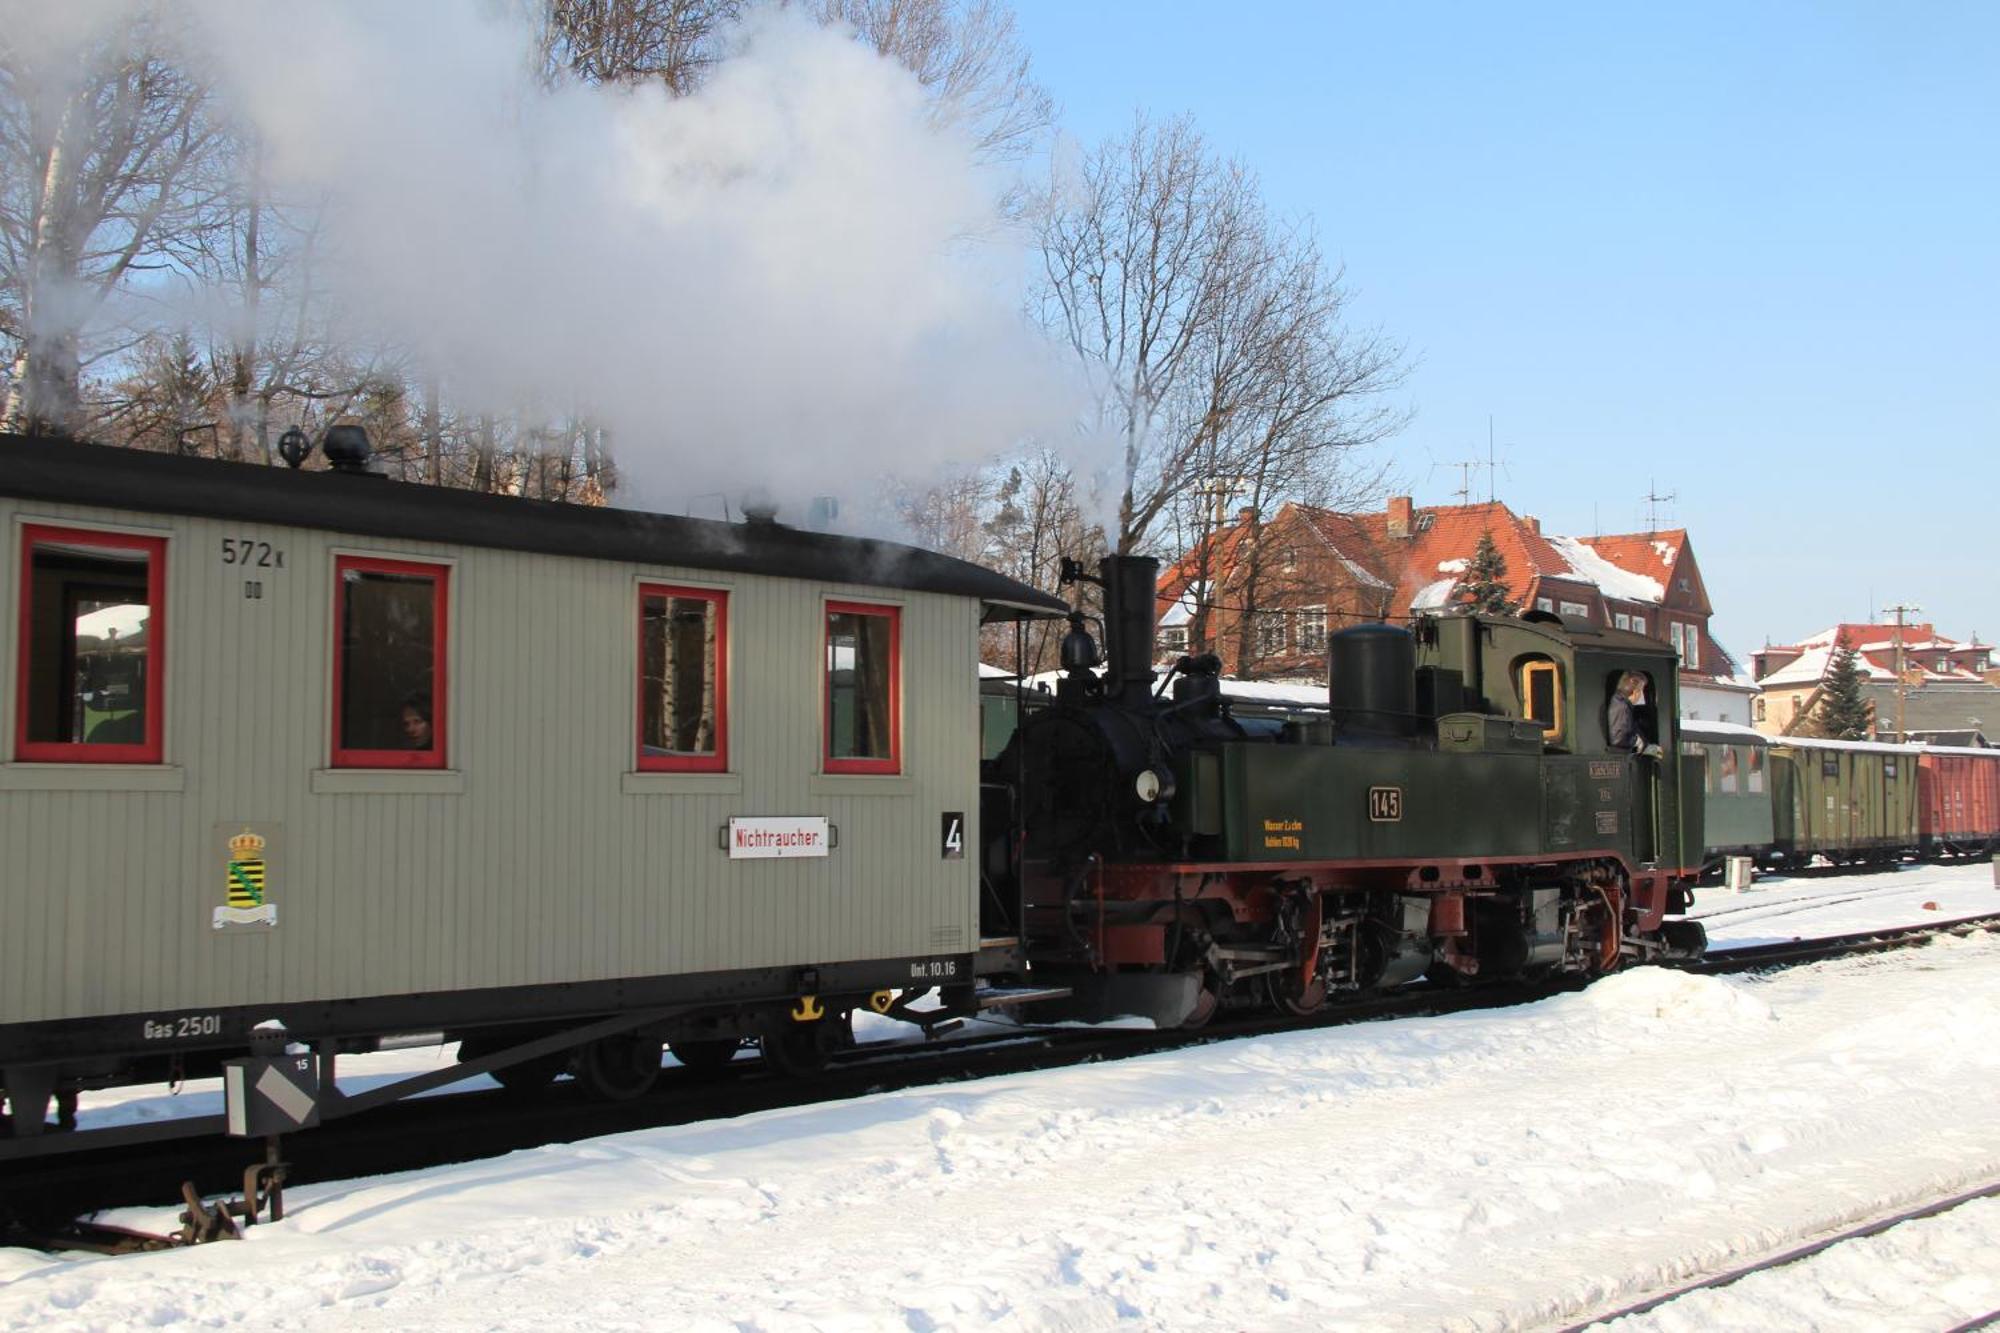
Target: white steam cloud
791, 279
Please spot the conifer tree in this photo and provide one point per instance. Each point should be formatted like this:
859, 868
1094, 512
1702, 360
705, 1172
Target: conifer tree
1482, 587
1843, 711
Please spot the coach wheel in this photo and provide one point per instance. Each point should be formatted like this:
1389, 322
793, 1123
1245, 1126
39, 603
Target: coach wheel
619, 1069
801, 1050
527, 1076
705, 1055
532, 1075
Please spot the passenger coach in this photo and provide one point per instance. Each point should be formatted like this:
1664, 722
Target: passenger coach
371, 758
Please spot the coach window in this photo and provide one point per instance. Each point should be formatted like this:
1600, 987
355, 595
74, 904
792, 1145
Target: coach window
863, 651
93, 629
1541, 697
1754, 773
683, 680
389, 663
1729, 766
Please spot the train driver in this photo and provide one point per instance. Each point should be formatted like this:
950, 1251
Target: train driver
1630, 720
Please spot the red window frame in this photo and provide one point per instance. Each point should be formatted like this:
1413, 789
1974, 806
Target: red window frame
894, 615
152, 749
440, 692
686, 763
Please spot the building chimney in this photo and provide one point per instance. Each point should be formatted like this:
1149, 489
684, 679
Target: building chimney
1399, 516
1534, 524
1247, 514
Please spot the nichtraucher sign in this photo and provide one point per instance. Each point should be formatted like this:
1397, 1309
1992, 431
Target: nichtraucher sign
777, 835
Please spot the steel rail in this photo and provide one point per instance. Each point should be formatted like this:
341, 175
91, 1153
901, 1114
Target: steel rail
473, 1125
1874, 1227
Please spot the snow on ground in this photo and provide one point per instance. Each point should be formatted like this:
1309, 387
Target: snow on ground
1777, 909
1935, 1273
1487, 1170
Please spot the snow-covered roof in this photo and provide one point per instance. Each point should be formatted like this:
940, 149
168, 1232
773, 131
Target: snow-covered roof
1610, 579
1184, 607
1810, 667
1723, 733
1433, 595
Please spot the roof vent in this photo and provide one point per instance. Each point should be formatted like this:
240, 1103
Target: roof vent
760, 509
346, 448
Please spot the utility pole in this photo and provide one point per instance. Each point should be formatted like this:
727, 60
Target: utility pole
1902, 689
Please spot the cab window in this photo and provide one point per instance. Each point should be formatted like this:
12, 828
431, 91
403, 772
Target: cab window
1540, 682
93, 628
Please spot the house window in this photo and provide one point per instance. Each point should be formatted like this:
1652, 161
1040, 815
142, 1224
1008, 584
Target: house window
389, 663
1575, 611
1541, 697
1693, 648
1638, 624
1757, 707
1622, 620
93, 629
683, 679
1173, 639
1545, 604
1270, 633
1312, 629
1677, 634
864, 727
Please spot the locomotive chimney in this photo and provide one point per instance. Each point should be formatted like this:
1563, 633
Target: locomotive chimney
1131, 584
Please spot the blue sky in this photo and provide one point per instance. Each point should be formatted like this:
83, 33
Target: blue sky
1749, 252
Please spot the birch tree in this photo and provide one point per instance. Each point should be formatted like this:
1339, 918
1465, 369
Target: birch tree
108, 166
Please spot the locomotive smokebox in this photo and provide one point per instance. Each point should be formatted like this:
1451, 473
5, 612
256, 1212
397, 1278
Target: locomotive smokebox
1130, 585
1372, 680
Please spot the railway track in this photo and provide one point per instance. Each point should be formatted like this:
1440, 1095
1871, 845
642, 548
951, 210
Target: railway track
40, 1201
1797, 1253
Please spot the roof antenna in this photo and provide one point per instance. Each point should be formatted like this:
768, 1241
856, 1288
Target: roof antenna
1653, 502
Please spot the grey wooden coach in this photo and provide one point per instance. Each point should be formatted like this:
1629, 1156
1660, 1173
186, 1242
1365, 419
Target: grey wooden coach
537, 877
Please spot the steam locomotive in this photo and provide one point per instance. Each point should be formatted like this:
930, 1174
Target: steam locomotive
1460, 814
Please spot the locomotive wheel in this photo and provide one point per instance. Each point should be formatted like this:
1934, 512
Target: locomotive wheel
1207, 1002
1288, 997
619, 1069
705, 1055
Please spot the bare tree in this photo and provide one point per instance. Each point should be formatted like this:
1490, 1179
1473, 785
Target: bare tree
107, 168
967, 56
674, 42
1218, 342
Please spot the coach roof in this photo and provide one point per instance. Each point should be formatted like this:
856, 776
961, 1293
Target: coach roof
62, 471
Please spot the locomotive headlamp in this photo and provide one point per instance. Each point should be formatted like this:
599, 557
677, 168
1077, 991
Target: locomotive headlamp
1152, 785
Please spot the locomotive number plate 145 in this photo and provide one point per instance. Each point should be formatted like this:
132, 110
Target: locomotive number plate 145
1385, 804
